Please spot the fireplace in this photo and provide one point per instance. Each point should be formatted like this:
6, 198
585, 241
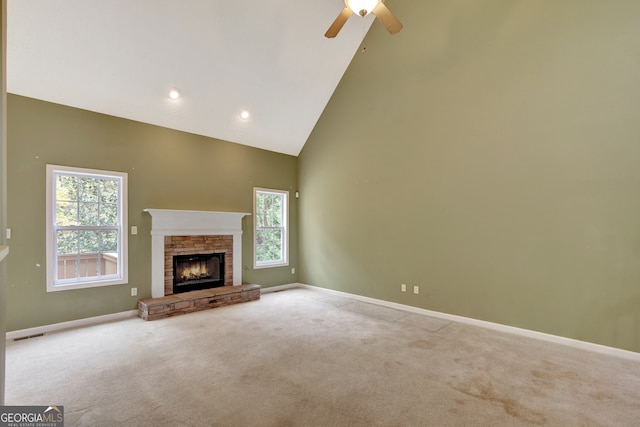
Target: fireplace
197, 271
180, 232
209, 256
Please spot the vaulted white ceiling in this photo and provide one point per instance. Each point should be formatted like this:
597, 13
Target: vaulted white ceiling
122, 57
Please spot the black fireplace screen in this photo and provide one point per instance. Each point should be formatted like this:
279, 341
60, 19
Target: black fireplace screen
195, 272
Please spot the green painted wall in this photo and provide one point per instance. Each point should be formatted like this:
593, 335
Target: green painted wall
167, 170
489, 153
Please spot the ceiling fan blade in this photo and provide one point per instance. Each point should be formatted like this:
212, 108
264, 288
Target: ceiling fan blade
335, 28
387, 18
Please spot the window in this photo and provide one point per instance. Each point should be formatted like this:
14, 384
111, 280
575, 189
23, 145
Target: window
86, 228
270, 244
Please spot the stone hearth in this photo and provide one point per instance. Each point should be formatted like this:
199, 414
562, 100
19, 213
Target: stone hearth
188, 302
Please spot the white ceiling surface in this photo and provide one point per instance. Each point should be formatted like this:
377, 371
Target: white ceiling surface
121, 57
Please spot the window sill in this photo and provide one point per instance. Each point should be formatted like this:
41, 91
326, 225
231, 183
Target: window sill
85, 285
261, 266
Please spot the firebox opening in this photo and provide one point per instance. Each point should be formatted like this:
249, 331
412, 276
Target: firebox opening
197, 271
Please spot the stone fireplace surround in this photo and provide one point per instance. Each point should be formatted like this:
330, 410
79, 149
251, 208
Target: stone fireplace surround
167, 222
196, 245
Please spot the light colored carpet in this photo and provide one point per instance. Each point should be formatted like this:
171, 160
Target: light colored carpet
305, 358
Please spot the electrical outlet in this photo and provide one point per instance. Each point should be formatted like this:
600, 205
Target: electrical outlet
416, 290
403, 287
293, 270
134, 292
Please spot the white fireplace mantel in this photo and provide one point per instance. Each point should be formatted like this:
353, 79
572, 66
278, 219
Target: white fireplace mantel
170, 222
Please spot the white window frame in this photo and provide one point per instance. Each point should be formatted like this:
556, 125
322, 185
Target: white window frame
285, 228
122, 276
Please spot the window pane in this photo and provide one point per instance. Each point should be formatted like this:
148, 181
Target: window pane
88, 213
66, 213
268, 210
109, 190
108, 214
90, 265
109, 241
260, 211
88, 189
269, 245
67, 267
89, 241
274, 207
67, 242
66, 188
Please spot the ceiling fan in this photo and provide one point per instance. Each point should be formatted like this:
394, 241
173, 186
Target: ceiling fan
363, 8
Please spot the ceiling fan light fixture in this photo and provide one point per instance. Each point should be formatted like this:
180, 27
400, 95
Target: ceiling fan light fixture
362, 7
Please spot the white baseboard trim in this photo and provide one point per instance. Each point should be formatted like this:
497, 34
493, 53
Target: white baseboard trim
22, 333
280, 288
597, 348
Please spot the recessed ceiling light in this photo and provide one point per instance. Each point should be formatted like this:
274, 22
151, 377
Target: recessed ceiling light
174, 94
244, 115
